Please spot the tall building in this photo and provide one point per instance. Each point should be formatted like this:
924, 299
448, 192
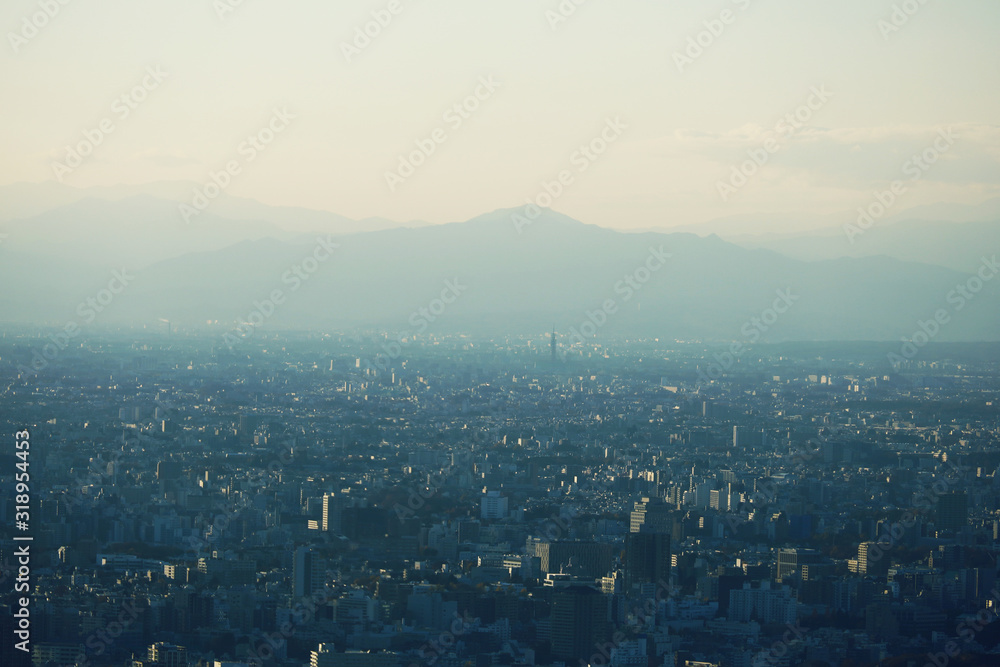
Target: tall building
333, 506
493, 506
792, 560
553, 344
647, 558
308, 572
588, 559
952, 511
228, 572
651, 515
44, 653
579, 621
764, 604
744, 436
947, 557
871, 559
718, 499
162, 654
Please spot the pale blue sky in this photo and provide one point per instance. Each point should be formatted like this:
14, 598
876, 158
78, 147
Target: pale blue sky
610, 59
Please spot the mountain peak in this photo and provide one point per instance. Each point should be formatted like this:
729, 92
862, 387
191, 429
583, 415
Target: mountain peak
527, 214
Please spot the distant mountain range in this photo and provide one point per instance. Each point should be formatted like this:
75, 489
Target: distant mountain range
950, 235
238, 254
958, 246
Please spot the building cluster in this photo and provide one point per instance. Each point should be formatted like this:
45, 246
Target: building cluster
475, 503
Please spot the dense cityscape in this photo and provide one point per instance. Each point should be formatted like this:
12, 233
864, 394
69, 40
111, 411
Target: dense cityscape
371, 501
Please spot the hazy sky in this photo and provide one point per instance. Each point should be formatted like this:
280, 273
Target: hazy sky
680, 132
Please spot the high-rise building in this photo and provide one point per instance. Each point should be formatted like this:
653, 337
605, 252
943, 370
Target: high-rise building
228, 572
947, 557
44, 653
162, 654
871, 559
553, 344
308, 572
588, 559
493, 505
651, 515
718, 499
792, 560
647, 558
744, 436
763, 604
579, 621
333, 505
